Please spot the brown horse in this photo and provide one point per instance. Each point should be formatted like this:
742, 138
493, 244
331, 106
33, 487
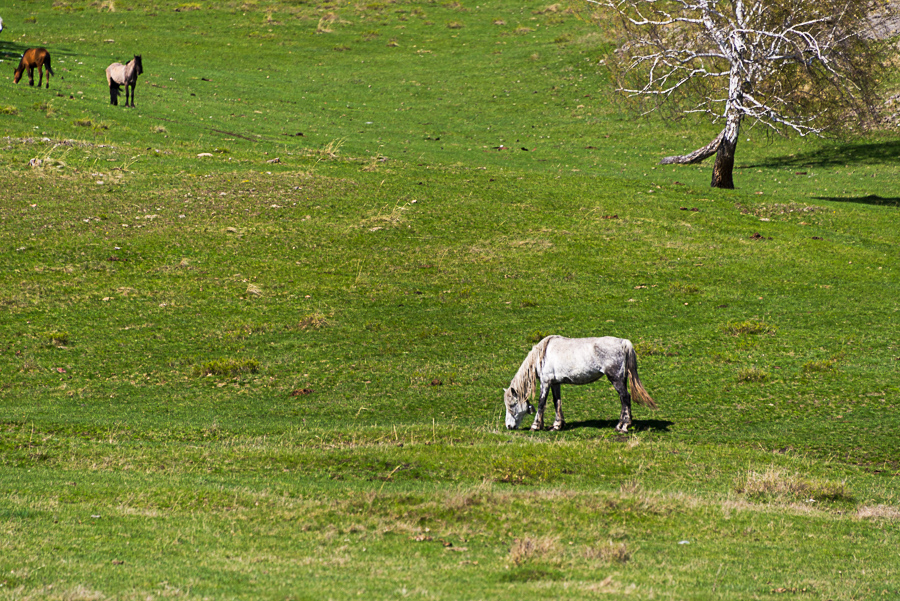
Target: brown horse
34, 57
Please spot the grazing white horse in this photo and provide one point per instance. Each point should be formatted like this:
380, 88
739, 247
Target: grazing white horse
1, 24
118, 74
557, 360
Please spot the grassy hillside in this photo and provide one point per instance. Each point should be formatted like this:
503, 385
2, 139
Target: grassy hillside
254, 330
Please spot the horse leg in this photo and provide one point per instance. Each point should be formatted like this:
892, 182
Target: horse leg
542, 404
31, 75
559, 422
621, 387
113, 94
129, 94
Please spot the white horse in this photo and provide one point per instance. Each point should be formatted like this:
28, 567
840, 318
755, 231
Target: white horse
1, 24
118, 74
557, 360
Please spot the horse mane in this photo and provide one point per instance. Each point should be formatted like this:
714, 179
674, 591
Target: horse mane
524, 380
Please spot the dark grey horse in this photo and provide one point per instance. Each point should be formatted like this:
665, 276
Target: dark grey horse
118, 74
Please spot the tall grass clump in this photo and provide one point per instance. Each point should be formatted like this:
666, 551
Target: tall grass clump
752, 374
56, 338
750, 327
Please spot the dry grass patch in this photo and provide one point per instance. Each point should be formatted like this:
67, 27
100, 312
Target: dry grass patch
328, 19
541, 548
313, 321
49, 592
608, 553
329, 152
769, 210
779, 486
878, 512
386, 217
538, 245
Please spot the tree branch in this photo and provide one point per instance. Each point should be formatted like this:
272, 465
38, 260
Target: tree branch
801, 66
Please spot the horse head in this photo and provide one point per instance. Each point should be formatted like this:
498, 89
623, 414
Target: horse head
138, 64
516, 407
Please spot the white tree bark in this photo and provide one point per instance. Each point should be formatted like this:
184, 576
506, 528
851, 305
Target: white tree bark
734, 50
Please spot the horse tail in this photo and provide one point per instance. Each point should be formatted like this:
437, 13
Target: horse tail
638, 391
113, 87
47, 64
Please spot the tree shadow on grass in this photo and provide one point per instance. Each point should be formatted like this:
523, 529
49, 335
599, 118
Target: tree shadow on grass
871, 199
639, 425
837, 155
13, 51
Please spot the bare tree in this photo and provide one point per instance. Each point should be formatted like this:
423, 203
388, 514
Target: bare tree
794, 66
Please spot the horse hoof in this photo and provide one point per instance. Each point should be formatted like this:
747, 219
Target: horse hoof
536, 428
557, 427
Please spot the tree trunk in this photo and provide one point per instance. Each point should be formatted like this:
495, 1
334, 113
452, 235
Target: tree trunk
723, 168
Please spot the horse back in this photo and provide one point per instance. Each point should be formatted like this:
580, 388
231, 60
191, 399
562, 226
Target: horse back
36, 57
583, 360
113, 73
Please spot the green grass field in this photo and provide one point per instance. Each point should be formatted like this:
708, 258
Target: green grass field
254, 331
